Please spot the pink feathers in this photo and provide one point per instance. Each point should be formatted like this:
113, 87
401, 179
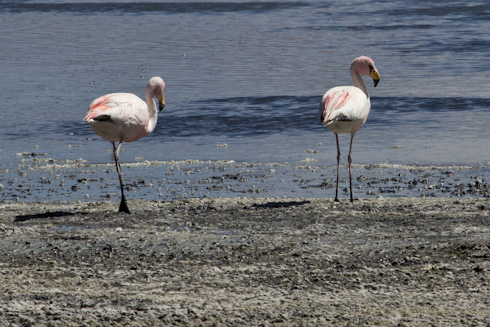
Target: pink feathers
124, 117
333, 101
344, 109
97, 106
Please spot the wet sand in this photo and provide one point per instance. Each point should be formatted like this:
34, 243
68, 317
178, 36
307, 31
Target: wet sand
38, 178
247, 262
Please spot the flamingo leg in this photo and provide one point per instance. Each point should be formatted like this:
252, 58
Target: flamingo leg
350, 163
123, 207
338, 168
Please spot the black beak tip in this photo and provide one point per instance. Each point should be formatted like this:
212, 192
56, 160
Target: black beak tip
161, 106
376, 81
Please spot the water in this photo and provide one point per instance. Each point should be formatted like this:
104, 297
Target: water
244, 80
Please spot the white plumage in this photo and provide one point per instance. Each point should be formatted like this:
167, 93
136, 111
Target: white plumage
344, 109
124, 117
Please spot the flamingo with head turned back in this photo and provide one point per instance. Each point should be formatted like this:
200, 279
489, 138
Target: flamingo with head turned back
124, 117
344, 109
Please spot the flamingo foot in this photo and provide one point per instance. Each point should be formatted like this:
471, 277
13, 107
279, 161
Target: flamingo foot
336, 199
123, 207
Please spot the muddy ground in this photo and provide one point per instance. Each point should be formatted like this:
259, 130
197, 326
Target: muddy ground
246, 262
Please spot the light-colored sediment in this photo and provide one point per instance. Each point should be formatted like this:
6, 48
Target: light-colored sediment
246, 262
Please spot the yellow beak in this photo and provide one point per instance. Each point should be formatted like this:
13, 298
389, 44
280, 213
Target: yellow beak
162, 102
375, 76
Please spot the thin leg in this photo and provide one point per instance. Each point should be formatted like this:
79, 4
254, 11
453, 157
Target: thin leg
123, 207
338, 168
350, 172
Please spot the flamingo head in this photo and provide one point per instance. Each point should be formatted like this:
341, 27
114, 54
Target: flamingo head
158, 86
365, 65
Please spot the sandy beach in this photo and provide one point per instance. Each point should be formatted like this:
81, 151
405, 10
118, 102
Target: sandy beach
233, 222
246, 262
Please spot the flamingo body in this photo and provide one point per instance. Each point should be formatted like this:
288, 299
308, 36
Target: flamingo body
124, 117
344, 109
119, 117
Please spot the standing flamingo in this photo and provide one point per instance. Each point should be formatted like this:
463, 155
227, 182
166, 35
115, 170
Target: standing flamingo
344, 109
124, 117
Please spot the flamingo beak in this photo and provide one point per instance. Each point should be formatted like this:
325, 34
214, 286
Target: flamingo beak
375, 76
161, 103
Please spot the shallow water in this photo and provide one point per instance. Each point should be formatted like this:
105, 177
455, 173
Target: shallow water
244, 80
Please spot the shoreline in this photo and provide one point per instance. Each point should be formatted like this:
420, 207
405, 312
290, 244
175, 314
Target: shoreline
41, 178
247, 261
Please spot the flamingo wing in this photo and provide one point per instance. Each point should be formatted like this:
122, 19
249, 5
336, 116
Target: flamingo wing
118, 108
332, 102
343, 103
119, 117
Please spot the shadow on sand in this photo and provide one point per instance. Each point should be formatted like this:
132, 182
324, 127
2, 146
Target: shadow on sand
21, 218
272, 205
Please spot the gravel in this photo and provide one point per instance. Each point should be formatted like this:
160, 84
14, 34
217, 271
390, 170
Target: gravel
246, 262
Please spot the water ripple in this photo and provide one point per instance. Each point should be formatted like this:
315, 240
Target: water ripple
255, 116
147, 7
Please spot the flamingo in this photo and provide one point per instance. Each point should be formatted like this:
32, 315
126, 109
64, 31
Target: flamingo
124, 117
344, 109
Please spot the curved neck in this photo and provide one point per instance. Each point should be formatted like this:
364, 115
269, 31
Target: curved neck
356, 77
152, 109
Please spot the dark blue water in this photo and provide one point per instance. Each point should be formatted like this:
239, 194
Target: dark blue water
244, 80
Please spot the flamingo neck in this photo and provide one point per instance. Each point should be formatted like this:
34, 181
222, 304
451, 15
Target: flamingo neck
356, 77
152, 109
